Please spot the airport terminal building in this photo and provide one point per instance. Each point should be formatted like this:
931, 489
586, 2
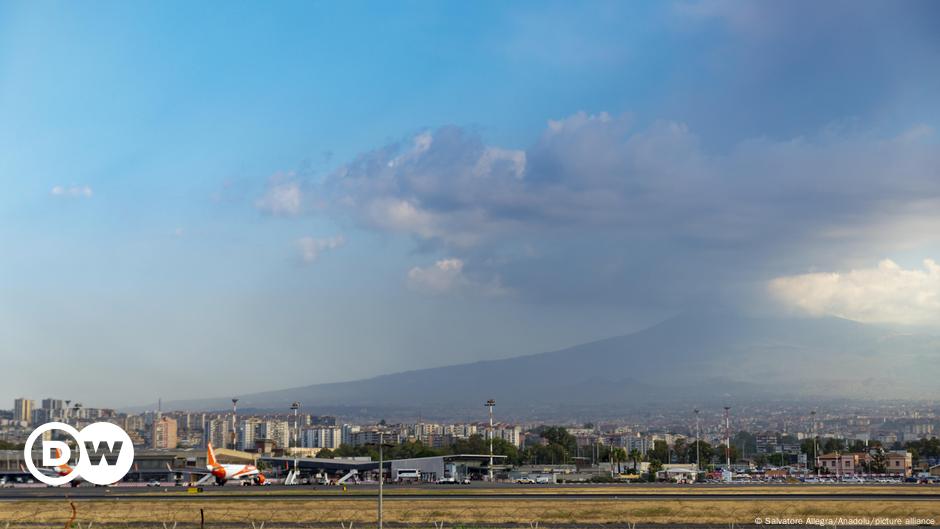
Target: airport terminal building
424, 469
173, 466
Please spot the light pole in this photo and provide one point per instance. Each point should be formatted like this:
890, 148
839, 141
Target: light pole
728, 437
698, 463
491, 404
812, 415
296, 407
234, 424
381, 474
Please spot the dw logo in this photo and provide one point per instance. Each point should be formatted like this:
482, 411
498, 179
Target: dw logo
106, 454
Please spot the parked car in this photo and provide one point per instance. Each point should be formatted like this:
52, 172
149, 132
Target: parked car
153, 483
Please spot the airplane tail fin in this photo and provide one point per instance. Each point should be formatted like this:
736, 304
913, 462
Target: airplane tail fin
210, 457
65, 468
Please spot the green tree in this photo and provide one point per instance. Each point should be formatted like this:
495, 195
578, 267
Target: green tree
878, 463
858, 446
720, 454
831, 444
705, 451
618, 456
807, 447
556, 447
636, 457
659, 452
924, 448
743, 443
549, 454
557, 435
681, 449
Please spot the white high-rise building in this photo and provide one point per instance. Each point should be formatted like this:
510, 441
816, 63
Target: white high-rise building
278, 432
23, 410
461, 431
510, 434
53, 404
219, 432
349, 431
248, 433
326, 437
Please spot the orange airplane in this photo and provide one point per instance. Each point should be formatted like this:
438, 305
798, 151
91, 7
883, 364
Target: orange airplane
59, 471
225, 472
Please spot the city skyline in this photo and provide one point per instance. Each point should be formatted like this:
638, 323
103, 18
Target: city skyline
194, 194
758, 430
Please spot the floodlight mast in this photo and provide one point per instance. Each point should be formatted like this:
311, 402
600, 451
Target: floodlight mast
234, 424
381, 476
295, 406
812, 415
491, 403
728, 437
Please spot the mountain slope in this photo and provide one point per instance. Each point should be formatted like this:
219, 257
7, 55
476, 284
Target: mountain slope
691, 357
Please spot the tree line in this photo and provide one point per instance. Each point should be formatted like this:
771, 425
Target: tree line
555, 445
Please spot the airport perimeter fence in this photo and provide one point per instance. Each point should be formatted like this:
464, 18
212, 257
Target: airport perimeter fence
251, 515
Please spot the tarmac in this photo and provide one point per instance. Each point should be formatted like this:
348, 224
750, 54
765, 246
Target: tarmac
487, 491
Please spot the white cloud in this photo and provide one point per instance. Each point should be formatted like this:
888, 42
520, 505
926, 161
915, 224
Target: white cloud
283, 197
401, 216
885, 294
496, 155
447, 276
311, 248
443, 276
72, 191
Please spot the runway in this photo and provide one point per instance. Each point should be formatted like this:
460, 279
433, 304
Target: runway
556, 493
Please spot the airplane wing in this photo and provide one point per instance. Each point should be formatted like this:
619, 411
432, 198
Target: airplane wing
188, 470
42, 470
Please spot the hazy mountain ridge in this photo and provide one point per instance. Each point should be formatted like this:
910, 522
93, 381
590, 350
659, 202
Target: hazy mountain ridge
692, 357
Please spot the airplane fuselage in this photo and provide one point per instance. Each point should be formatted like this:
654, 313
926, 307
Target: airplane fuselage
227, 472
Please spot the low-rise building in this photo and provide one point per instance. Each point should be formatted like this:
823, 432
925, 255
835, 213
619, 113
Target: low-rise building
841, 464
899, 463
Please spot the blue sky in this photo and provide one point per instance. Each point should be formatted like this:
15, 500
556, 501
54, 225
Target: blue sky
319, 191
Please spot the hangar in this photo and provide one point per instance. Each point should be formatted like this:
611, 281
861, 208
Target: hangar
433, 468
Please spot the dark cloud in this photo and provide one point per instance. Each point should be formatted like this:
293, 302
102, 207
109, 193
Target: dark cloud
785, 156
783, 68
598, 209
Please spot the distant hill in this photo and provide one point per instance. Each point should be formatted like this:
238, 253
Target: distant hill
690, 358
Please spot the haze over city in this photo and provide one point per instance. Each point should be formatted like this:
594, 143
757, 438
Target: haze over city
201, 202
557, 264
